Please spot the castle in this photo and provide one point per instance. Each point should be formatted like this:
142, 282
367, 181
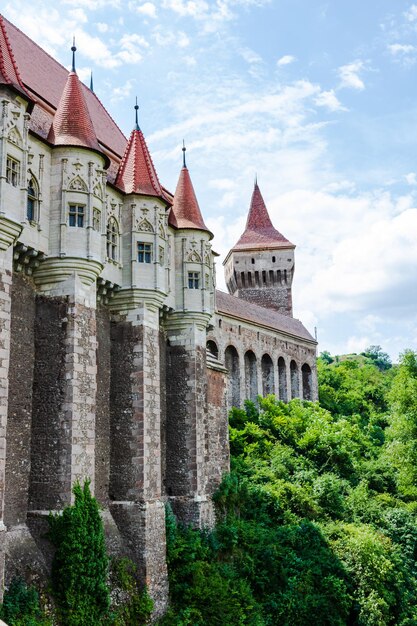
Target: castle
119, 359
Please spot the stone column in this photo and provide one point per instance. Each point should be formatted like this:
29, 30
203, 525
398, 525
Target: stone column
187, 420
5, 302
63, 431
135, 472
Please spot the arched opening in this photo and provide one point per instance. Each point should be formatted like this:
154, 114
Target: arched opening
295, 389
112, 239
251, 376
307, 382
231, 360
267, 375
32, 200
282, 380
211, 347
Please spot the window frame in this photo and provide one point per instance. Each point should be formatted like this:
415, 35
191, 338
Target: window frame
193, 280
12, 173
112, 239
78, 214
144, 252
32, 199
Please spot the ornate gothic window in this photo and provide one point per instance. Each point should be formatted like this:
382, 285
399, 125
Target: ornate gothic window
144, 252
76, 215
112, 239
193, 280
32, 200
96, 219
12, 171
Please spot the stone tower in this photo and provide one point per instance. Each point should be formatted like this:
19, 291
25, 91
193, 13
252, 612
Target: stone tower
260, 267
186, 327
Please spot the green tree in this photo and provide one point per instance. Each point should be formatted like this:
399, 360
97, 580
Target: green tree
80, 564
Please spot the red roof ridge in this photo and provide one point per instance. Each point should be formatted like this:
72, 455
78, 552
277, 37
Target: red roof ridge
72, 123
15, 80
259, 231
239, 308
185, 212
137, 172
110, 116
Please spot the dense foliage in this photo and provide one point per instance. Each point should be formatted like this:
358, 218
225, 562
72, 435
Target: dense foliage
317, 519
86, 588
80, 565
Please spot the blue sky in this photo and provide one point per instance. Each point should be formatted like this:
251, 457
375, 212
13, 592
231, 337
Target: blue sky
318, 98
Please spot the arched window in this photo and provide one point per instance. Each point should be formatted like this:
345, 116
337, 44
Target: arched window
282, 380
267, 375
307, 382
112, 239
212, 348
32, 200
231, 359
251, 376
295, 388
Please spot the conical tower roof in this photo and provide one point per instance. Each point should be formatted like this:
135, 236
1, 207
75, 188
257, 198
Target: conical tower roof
185, 212
72, 125
137, 173
259, 231
9, 72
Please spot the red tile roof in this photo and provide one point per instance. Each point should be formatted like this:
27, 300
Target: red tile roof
72, 125
259, 315
45, 79
9, 73
137, 173
259, 231
185, 212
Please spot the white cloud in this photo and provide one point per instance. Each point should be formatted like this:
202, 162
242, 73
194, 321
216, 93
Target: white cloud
349, 75
401, 49
148, 9
286, 60
329, 100
102, 27
411, 178
122, 92
411, 14
78, 15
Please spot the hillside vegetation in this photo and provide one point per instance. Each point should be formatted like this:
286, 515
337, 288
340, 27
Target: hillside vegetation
317, 519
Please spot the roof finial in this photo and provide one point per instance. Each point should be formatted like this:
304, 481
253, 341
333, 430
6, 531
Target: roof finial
74, 49
183, 154
256, 179
136, 115
91, 81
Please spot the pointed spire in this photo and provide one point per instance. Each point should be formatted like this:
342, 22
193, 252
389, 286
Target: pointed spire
91, 82
259, 231
183, 154
72, 123
9, 72
136, 115
74, 50
185, 212
137, 173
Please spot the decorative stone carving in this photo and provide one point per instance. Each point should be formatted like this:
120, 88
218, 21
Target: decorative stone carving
77, 184
144, 226
15, 137
194, 257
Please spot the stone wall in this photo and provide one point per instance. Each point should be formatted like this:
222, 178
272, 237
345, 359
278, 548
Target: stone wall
102, 428
19, 420
48, 451
260, 360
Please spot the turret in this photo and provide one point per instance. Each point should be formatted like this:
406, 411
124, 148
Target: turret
260, 267
16, 105
77, 191
193, 256
145, 220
